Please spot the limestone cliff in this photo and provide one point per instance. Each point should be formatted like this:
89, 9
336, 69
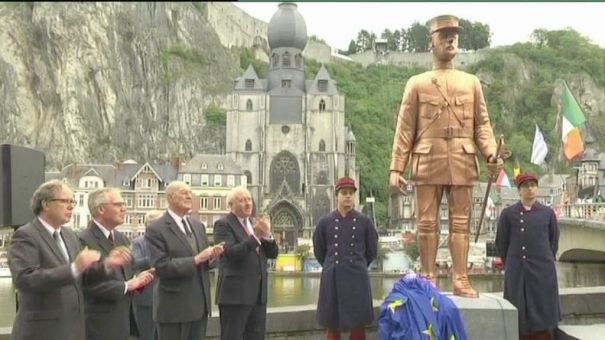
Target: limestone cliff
88, 82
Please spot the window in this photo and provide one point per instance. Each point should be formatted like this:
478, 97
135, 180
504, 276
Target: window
220, 166
248, 145
286, 83
275, 60
217, 180
127, 219
163, 203
322, 85
322, 146
204, 166
80, 200
249, 83
231, 181
126, 182
248, 177
77, 221
128, 201
286, 61
322, 105
146, 201
204, 203
216, 204
187, 178
204, 180
249, 105
298, 60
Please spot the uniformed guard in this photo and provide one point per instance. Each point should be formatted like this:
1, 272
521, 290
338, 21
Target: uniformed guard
345, 242
443, 123
527, 240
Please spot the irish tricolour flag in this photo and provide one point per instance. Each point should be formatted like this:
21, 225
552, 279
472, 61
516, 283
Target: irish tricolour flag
573, 118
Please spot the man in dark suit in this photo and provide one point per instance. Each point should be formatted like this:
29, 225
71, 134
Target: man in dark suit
109, 313
143, 302
242, 281
180, 255
46, 261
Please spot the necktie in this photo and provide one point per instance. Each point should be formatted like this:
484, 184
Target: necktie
186, 228
59, 242
110, 238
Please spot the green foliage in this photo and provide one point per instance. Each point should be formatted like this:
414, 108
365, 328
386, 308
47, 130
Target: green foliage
200, 7
216, 115
246, 57
302, 251
412, 251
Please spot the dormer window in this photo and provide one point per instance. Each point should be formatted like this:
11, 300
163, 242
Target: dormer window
220, 166
286, 83
322, 85
204, 166
249, 83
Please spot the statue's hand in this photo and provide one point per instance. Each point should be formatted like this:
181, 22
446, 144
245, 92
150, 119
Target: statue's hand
494, 165
397, 183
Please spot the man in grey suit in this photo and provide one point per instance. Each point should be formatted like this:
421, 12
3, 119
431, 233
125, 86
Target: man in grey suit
143, 302
46, 262
180, 255
108, 302
242, 280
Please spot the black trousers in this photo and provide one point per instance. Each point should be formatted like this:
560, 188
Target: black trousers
245, 322
194, 330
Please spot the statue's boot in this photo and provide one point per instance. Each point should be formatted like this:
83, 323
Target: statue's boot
459, 242
428, 243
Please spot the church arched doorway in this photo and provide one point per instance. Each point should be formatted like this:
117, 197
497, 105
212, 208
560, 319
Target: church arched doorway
286, 223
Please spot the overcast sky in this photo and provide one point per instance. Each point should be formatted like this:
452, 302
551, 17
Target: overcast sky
338, 23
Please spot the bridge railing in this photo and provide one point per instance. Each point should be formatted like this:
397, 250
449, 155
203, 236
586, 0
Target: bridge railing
589, 211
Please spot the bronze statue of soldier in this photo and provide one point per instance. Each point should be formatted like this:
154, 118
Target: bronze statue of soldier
442, 125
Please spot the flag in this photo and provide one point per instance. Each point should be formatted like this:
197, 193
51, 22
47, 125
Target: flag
517, 168
573, 118
502, 180
539, 150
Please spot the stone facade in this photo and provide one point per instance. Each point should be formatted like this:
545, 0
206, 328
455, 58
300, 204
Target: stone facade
288, 133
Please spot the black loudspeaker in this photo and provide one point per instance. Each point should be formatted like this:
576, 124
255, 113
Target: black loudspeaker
21, 173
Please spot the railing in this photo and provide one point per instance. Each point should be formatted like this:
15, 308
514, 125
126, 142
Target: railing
588, 211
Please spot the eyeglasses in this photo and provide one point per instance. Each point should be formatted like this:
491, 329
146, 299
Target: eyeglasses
63, 200
116, 204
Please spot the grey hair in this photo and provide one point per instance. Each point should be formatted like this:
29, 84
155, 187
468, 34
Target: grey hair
235, 193
175, 186
98, 198
46, 191
151, 216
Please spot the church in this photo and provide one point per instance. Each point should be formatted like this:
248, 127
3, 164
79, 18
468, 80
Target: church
288, 133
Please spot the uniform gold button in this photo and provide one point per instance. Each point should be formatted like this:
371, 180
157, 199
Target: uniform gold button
335, 236
524, 257
336, 261
353, 236
336, 253
354, 228
352, 244
523, 248
335, 244
336, 220
336, 228
354, 220
522, 229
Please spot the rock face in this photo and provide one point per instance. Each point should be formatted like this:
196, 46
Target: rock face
100, 82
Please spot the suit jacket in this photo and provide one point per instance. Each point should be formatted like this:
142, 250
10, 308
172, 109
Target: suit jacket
108, 310
181, 283
142, 261
241, 267
438, 140
48, 295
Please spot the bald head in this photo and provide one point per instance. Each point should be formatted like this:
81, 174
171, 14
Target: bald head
179, 197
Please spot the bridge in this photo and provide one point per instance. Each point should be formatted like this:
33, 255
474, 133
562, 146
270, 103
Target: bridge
582, 232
